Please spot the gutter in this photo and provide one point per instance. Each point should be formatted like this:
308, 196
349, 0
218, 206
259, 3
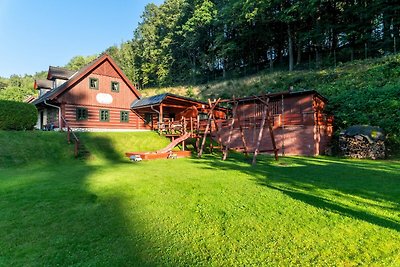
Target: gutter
159, 119
59, 113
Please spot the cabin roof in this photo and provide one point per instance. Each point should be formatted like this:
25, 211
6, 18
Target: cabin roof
79, 75
277, 95
59, 73
43, 84
158, 99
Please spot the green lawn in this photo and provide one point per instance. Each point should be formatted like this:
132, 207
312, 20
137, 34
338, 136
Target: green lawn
106, 211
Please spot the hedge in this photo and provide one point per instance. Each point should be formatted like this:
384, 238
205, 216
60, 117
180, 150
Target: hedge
17, 115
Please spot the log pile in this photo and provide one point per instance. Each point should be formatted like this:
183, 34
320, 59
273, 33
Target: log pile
362, 144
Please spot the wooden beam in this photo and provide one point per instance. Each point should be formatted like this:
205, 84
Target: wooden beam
210, 116
242, 134
230, 131
271, 131
176, 106
260, 134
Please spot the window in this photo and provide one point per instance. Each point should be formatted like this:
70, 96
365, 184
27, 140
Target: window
203, 116
93, 83
114, 86
124, 116
81, 114
104, 115
148, 118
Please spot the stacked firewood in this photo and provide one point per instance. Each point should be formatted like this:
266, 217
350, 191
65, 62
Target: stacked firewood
361, 146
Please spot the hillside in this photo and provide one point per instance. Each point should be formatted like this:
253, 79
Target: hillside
37, 147
359, 92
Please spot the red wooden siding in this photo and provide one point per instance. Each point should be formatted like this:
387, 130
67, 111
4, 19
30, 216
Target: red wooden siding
306, 131
81, 95
106, 69
93, 121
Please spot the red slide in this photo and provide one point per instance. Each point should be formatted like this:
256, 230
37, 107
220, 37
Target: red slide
174, 143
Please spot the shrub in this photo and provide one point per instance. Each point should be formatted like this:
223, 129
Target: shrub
17, 115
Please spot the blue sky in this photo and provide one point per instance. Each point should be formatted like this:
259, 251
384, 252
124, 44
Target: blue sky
36, 34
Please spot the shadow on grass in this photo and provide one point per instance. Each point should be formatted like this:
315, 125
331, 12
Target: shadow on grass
365, 190
50, 216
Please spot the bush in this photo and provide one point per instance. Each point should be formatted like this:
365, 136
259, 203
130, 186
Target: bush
17, 115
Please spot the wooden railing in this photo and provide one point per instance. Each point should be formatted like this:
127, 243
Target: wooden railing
185, 125
74, 138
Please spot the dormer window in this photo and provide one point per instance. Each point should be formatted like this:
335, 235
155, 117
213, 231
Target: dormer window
114, 86
94, 83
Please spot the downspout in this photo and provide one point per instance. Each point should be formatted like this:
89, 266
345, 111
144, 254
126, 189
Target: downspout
159, 123
59, 114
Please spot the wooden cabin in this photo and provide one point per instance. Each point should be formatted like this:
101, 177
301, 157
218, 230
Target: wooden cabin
98, 96
299, 122
167, 111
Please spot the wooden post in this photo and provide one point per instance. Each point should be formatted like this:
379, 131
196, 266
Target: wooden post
69, 135
205, 135
230, 131
260, 134
197, 144
271, 131
210, 116
76, 148
160, 118
191, 125
242, 134
217, 130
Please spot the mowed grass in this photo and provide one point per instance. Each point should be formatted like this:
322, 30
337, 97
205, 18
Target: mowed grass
107, 211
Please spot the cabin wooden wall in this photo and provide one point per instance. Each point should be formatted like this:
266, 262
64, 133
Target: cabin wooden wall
93, 121
81, 95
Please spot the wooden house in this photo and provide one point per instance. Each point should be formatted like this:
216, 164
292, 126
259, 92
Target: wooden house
98, 96
299, 123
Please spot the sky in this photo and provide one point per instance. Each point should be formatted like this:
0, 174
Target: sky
37, 33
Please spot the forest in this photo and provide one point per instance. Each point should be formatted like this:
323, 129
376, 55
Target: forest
197, 41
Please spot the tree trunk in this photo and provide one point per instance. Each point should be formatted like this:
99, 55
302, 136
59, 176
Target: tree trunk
298, 61
352, 53
271, 59
317, 59
290, 48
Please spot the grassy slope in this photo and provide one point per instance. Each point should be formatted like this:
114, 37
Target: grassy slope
18, 148
359, 92
109, 212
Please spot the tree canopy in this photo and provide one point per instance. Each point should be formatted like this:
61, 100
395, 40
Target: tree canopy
195, 41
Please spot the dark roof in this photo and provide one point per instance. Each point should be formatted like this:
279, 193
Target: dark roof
81, 74
279, 95
29, 99
59, 73
43, 84
157, 99
148, 101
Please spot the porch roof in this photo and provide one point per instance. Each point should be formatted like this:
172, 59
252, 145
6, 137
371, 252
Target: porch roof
158, 99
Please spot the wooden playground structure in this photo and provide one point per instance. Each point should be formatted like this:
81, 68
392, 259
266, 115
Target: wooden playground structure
191, 126
295, 121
